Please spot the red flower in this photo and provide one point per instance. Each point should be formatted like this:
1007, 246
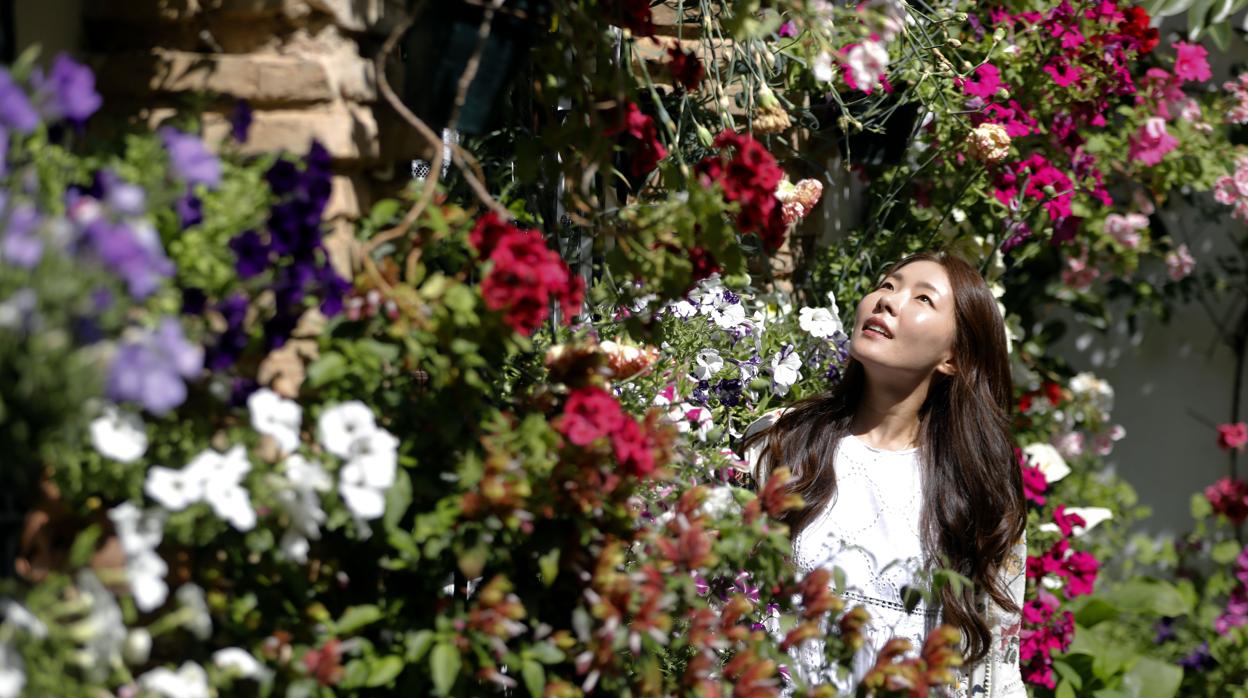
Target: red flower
1232, 436
1053, 392
590, 414
703, 262
749, 178
633, 15
1067, 522
1229, 498
525, 277
1135, 27
1190, 62
325, 664
1048, 563
487, 232
686, 68
640, 139
632, 448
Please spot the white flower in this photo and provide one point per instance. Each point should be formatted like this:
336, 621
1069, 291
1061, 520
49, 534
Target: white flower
719, 502
12, 672
1090, 515
340, 426
224, 492
785, 371
1087, 385
103, 631
139, 534
819, 322
369, 472
189, 681
867, 62
240, 663
198, 619
173, 489
302, 505
823, 68
709, 363
119, 435
729, 315
275, 416
683, 309
1048, 460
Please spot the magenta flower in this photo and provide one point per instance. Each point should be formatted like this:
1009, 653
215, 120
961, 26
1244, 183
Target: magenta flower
985, 83
1190, 62
1067, 522
1062, 72
1151, 143
1229, 498
1080, 570
1232, 436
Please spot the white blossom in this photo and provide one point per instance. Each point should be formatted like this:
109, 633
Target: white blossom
820, 323
785, 370
119, 435
823, 68
103, 632
224, 492
1048, 460
146, 572
868, 61
12, 672
198, 620
303, 505
240, 663
275, 416
175, 490
729, 315
1099, 392
189, 681
340, 426
369, 472
140, 534
709, 363
720, 502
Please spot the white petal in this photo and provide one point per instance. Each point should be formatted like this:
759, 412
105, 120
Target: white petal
119, 435
306, 474
147, 581
240, 662
277, 417
339, 426
232, 503
172, 489
1048, 460
12, 672
365, 502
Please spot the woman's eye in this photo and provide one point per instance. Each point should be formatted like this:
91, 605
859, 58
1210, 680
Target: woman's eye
886, 285
926, 299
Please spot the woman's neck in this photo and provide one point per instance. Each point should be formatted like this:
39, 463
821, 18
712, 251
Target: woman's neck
888, 415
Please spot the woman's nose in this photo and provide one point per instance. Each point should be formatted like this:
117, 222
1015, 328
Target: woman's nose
888, 302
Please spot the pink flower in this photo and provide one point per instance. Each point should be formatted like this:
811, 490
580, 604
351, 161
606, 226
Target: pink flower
1151, 143
1080, 570
1062, 72
590, 414
1066, 522
1190, 62
1180, 263
1125, 230
1232, 436
868, 63
1229, 498
985, 83
1034, 485
1078, 275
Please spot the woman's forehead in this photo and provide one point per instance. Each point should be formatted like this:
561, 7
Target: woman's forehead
923, 272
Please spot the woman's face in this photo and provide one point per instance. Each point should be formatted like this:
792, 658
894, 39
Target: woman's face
907, 322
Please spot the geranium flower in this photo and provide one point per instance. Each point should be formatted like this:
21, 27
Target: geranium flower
275, 416
1229, 498
1190, 62
590, 413
1232, 436
119, 435
1151, 142
1180, 263
525, 276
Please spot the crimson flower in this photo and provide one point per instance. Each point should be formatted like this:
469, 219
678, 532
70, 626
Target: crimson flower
1067, 522
1034, 485
590, 414
686, 68
639, 137
1232, 436
526, 276
1135, 27
1229, 498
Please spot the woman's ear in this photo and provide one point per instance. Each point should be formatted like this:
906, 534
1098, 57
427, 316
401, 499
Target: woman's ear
946, 367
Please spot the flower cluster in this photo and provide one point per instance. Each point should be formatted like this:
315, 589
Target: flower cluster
639, 139
1229, 498
1046, 630
291, 248
371, 454
1232, 190
748, 177
797, 200
152, 368
525, 277
1236, 612
592, 413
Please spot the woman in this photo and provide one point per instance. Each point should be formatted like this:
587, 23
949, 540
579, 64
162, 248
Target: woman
908, 466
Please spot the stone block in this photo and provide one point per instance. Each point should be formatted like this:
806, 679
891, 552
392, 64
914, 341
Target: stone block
257, 77
348, 131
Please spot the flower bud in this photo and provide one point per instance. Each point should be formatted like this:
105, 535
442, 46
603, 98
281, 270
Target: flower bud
138, 647
704, 136
955, 43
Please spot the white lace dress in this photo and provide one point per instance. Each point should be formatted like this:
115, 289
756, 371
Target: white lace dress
870, 531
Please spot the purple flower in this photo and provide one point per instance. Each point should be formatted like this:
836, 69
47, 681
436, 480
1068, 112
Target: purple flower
240, 120
194, 300
1164, 629
125, 198
152, 369
729, 391
132, 252
190, 210
296, 228
68, 91
318, 160
334, 289
231, 343
1199, 659
788, 30
190, 159
251, 253
282, 177
1235, 614
4, 151
16, 112
20, 243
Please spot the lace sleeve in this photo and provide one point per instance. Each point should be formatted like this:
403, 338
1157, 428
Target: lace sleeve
1004, 676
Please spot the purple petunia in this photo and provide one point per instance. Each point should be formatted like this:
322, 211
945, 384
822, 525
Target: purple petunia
251, 254
133, 252
230, 343
190, 159
67, 91
16, 112
240, 120
20, 242
189, 209
152, 369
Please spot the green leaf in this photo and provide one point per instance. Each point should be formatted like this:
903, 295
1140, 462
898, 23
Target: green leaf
326, 369
1094, 611
383, 212
549, 566
398, 497
1064, 690
546, 653
357, 617
418, 644
444, 664
384, 670
534, 677
1200, 506
1146, 595
1070, 677
84, 546
1151, 678
354, 674
1225, 552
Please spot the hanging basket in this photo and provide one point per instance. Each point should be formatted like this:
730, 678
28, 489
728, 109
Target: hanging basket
437, 51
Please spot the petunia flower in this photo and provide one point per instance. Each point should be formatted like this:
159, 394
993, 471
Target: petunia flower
189, 158
785, 370
119, 435
1048, 460
820, 323
275, 416
189, 681
339, 426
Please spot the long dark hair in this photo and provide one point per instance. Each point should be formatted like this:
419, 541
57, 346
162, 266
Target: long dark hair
973, 506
